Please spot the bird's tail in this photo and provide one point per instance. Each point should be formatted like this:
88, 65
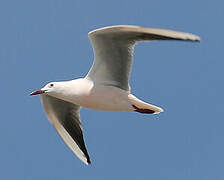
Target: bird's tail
143, 107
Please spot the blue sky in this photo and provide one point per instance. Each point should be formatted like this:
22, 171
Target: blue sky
46, 40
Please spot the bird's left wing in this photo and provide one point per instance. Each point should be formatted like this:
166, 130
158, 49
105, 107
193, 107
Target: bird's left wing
65, 117
113, 50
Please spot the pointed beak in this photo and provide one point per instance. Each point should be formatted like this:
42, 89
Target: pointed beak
37, 92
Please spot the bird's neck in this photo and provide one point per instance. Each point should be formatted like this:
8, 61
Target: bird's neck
74, 91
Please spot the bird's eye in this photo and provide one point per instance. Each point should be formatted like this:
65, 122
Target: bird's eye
51, 85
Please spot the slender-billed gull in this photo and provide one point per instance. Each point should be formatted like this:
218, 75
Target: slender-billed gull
106, 86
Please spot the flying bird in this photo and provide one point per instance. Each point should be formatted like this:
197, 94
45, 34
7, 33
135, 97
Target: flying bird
106, 86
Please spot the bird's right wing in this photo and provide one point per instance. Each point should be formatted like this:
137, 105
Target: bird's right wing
65, 117
113, 49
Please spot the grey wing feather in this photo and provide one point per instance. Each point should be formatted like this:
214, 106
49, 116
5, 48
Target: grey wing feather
65, 117
113, 48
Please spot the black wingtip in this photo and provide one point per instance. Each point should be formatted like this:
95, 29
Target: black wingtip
88, 161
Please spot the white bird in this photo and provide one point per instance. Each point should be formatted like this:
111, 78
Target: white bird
106, 86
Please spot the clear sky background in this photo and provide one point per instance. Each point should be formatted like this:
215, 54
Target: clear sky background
46, 40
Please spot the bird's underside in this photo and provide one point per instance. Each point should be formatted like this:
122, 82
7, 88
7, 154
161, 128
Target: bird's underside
113, 52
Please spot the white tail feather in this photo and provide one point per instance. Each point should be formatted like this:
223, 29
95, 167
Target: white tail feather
143, 107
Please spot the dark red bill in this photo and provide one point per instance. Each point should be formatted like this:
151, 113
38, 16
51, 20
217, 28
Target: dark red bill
37, 92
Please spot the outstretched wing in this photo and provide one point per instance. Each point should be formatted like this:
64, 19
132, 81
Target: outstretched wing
65, 117
113, 49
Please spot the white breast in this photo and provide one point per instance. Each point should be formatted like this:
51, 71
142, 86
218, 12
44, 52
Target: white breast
100, 97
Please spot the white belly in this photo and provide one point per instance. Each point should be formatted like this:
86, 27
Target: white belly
85, 93
107, 98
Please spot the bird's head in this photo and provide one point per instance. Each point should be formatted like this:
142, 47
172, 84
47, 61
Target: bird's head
48, 89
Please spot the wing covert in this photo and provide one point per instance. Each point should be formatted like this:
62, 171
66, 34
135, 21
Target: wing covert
113, 48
